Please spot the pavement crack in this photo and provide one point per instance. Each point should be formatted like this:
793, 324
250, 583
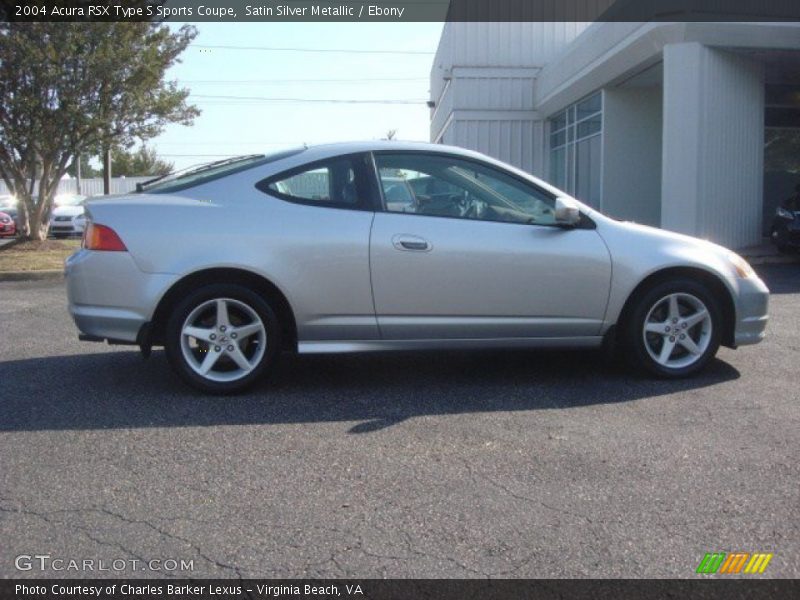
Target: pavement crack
47, 516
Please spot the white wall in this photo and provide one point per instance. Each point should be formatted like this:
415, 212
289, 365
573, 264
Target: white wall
484, 89
632, 122
482, 81
529, 44
511, 141
713, 144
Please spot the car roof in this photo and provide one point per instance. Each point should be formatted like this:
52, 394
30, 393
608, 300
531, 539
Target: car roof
312, 153
384, 145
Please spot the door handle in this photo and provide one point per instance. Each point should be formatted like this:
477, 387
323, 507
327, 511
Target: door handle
411, 243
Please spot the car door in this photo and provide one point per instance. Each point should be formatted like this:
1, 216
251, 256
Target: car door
315, 240
478, 256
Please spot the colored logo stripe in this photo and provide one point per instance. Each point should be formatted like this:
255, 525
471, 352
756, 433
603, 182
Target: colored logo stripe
734, 562
711, 562
758, 563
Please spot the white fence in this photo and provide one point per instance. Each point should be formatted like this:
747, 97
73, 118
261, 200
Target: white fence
91, 187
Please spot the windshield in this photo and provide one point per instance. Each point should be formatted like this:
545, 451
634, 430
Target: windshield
197, 174
190, 174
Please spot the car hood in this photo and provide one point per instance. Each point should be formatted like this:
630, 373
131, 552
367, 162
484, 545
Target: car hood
638, 250
67, 211
665, 236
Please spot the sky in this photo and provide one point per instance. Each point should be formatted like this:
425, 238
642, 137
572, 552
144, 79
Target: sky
229, 126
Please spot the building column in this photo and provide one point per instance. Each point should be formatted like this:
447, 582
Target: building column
713, 145
632, 126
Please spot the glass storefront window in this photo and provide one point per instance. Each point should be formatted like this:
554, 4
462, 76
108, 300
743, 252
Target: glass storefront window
575, 149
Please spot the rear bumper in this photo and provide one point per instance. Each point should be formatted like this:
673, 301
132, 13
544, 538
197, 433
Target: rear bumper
752, 304
109, 297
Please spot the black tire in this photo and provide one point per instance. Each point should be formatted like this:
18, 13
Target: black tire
636, 342
195, 300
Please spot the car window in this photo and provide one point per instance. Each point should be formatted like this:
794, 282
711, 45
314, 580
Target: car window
444, 186
200, 174
397, 192
333, 183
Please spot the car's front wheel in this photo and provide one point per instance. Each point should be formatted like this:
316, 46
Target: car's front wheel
222, 338
675, 328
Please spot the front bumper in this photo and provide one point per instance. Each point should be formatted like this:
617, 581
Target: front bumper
67, 228
752, 304
109, 296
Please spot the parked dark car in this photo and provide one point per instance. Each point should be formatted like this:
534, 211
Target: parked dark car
786, 224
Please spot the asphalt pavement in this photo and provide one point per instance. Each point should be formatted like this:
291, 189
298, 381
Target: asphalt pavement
469, 464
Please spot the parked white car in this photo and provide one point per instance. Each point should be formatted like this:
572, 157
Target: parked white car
68, 217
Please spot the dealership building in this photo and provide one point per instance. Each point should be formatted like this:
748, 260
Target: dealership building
692, 127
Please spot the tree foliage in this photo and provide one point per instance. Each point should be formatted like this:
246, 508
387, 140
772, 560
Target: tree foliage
71, 88
87, 170
144, 161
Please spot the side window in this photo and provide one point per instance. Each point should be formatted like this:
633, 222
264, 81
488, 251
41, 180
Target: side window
335, 183
444, 186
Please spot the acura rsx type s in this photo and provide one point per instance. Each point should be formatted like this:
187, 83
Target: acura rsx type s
389, 246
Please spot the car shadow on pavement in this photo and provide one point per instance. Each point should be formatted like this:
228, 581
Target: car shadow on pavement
119, 389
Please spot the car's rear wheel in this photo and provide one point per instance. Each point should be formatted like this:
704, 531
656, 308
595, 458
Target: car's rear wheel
675, 329
222, 338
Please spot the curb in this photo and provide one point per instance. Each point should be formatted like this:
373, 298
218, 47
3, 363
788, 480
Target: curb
11, 243
53, 275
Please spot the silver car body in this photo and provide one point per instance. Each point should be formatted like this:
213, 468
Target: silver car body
352, 286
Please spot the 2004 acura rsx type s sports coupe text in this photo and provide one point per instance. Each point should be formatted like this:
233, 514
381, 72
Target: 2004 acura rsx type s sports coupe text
387, 246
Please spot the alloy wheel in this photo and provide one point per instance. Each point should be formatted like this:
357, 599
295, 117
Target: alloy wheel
677, 330
223, 339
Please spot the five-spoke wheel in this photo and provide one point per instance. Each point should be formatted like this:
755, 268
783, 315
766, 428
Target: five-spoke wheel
675, 328
222, 337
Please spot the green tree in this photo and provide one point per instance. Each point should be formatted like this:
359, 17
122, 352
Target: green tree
72, 88
143, 161
87, 170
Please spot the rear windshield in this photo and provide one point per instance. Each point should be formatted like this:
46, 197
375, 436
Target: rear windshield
197, 175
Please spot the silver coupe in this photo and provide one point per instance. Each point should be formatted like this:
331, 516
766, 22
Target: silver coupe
372, 246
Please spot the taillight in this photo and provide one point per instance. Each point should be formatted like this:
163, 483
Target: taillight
102, 237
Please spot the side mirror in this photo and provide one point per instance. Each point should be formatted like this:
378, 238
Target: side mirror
567, 212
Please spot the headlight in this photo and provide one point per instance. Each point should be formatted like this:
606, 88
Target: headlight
741, 266
784, 213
